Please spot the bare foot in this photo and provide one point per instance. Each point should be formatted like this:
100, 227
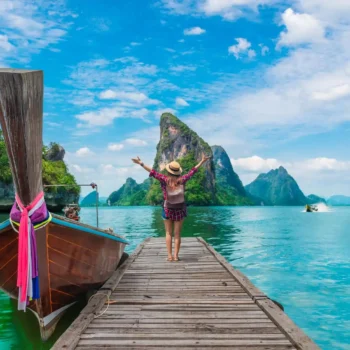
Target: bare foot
170, 258
176, 258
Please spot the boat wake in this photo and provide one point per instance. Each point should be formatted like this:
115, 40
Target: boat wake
322, 208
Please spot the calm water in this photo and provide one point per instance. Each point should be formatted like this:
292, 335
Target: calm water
300, 259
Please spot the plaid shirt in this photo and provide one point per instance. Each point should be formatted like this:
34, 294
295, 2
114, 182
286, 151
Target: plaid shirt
173, 214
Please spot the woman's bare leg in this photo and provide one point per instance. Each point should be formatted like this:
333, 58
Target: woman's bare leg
177, 234
169, 237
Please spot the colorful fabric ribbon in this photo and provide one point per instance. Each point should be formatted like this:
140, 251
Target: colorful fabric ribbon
24, 220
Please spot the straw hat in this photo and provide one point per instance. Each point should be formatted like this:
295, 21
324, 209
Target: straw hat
174, 168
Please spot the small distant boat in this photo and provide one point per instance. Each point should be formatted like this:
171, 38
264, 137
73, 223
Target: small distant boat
311, 208
47, 262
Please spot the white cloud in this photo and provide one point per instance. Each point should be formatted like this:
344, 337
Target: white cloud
241, 48
102, 117
255, 164
136, 142
132, 96
5, 44
134, 43
181, 102
264, 50
323, 163
301, 28
305, 171
194, 31
115, 147
228, 9
170, 50
183, 68
84, 152
77, 168
333, 93
26, 28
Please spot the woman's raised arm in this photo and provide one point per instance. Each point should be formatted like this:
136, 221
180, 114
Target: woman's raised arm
204, 160
138, 161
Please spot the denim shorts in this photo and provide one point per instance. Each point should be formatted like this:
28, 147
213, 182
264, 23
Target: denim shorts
163, 215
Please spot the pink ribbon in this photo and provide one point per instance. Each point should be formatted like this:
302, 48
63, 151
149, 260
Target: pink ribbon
24, 254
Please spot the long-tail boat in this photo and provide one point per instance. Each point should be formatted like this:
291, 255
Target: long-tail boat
47, 262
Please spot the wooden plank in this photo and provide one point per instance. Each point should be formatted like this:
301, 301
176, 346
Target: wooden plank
182, 336
254, 328
248, 286
202, 321
192, 347
70, 338
199, 302
181, 342
287, 326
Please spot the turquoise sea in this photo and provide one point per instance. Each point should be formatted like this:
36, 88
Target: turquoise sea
299, 259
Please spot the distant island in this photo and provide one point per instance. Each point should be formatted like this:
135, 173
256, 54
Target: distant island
215, 184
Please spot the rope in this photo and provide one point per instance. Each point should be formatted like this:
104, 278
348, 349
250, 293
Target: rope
96, 316
28, 218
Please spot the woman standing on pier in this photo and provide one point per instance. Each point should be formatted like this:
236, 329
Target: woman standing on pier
174, 209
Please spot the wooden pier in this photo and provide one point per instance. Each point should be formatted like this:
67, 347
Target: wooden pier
200, 302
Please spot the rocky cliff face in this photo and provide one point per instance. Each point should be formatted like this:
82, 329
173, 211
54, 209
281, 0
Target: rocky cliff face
55, 153
178, 142
229, 187
276, 187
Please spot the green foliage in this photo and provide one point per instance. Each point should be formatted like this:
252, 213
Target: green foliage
5, 172
130, 193
276, 187
53, 172
225, 196
57, 173
194, 195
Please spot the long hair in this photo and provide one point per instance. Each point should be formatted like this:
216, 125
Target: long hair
173, 180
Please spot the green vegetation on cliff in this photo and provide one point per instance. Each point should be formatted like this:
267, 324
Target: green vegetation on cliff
56, 172
229, 187
131, 193
276, 187
194, 194
53, 172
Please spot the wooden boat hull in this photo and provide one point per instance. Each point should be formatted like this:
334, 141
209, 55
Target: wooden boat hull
72, 258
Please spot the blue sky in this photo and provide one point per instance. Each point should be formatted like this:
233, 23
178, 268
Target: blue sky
268, 80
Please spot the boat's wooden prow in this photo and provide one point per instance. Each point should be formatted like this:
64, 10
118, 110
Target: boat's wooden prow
72, 258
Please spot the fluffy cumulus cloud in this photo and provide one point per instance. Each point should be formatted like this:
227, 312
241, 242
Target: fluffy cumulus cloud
304, 171
135, 142
255, 164
194, 31
242, 48
301, 28
133, 96
115, 147
181, 102
332, 93
84, 152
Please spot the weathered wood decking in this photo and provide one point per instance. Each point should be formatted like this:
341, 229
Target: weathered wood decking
200, 302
